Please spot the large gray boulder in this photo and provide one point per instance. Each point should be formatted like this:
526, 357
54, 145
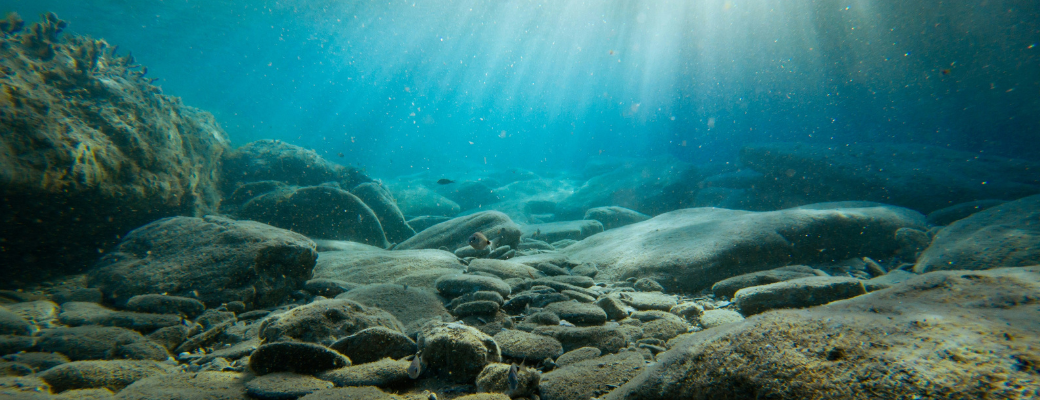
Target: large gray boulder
1007, 235
213, 259
275, 160
323, 212
455, 233
325, 322
691, 249
920, 177
416, 199
366, 264
948, 334
378, 198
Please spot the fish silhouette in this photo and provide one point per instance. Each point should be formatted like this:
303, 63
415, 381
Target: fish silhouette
416, 368
444, 181
479, 241
514, 379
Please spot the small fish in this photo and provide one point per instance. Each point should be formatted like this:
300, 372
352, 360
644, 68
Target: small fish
479, 241
340, 154
946, 72
416, 368
445, 181
514, 379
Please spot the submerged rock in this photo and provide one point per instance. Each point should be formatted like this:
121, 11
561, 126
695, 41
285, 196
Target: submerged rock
615, 217
455, 351
378, 198
1007, 235
455, 233
797, 293
301, 358
979, 334
591, 378
727, 287
213, 259
556, 231
113, 375
413, 306
325, 322
317, 211
370, 265
275, 160
691, 249
90, 150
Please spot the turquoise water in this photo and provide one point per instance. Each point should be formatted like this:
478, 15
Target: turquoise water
402, 86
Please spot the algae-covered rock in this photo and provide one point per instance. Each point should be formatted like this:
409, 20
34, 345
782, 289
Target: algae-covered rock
301, 358
455, 233
378, 198
114, 375
382, 373
495, 379
413, 306
213, 259
100, 343
1007, 235
691, 249
367, 265
591, 378
949, 334
527, 346
285, 385
188, 385
727, 287
317, 211
797, 293
374, 344
455, 351
275, 160
90, 150
325, 322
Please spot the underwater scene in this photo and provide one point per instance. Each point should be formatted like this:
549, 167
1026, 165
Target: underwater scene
518, 199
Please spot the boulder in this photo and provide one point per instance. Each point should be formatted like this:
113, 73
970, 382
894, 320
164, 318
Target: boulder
691, 249
727, 287
578, 313
919, 177
213, 259
417, 199
578, 355
90, 152
100, 343
378, 198
797, 293
188, 385
527, 346
78, 314
495, 379
275, 160
591, 378
284, 385
370, 265
455, 233
382, 373
413, 306
948, 215
556, 231
648, 186
301, 358
374, 344
949, 334
317, 211
615, 217
469, 194
1007, 235
163, 304
607, 339
13, 324
113, 375
455, 351
325, 322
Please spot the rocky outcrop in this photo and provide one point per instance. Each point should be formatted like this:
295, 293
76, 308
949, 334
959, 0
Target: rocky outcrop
919, 177
455, 233
274, 160
324, 212
1007, 235
90, 150
213, 259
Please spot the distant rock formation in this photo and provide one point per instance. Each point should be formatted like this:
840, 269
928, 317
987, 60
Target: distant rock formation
89, 150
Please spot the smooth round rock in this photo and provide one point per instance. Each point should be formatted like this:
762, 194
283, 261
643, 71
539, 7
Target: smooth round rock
373, 344
302, 358
527, 346
480, 307
161, 304
578, 355
578, 313
284, 386
457, 285
382, 373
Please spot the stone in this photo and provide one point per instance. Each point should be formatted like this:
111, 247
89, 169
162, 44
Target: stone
374, 344
162, 304
188, 385
920, 177
40, 314
100, 343
410, 305
207, 336
505, 269
460, 284
951, 214
591, 378
378, 198
543, 318
382, 373
78, 314
648, 301
576, 280
284, 385
616, 309
585, 269
89, 295
170, 337
328, 288
615, 217
649, 186
275, 160
475, 296
577, 355
663, 329
556, 284
1002, 236
10, 344
527, 346
578, 313
38, 361
78, 171
8, 368
719, 317
478, 307
495, 379
868, 344
534, 244
688, 310
912, 242
727, 287
368, 265
325, 322
352, 393
549, 269
578, 296
690, 249
469, 194
455, 233
417, 199
317, 211
301, 358
113, 375
556, 231
13, 324
456, 352
647, 285
420, 223
797, 293
213, 259
608, 340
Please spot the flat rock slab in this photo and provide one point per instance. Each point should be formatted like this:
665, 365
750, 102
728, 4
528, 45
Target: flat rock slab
727, 287
691, 249
797, 293
923, 178
1007, 235
213, 259
554, 231
455, 233
943, 334
368, 265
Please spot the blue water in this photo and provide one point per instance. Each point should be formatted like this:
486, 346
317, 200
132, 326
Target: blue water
403, 86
